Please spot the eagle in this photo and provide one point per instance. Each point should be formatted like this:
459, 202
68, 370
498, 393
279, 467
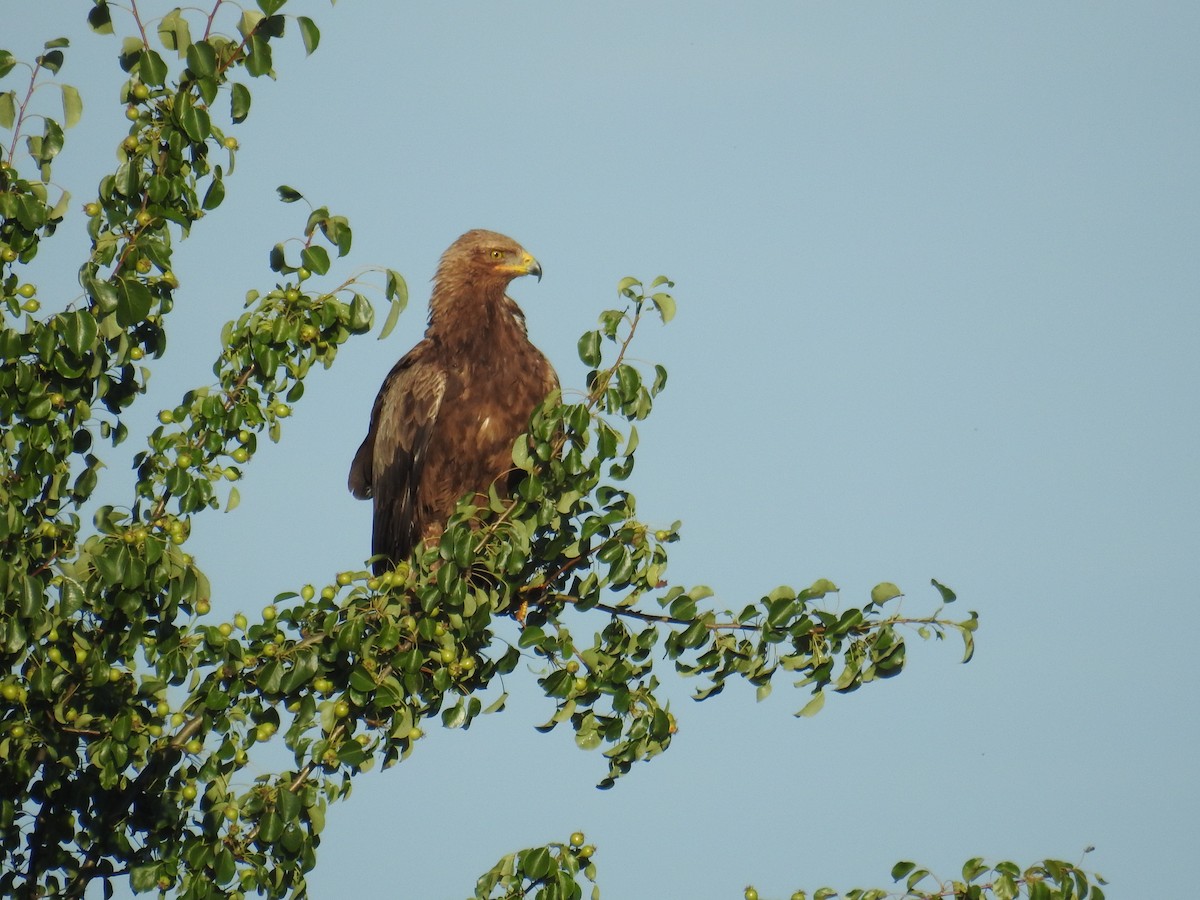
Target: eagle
445, 420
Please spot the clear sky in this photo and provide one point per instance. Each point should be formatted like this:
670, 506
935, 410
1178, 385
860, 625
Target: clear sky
938, 276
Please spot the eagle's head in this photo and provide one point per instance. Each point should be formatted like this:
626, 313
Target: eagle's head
485, 258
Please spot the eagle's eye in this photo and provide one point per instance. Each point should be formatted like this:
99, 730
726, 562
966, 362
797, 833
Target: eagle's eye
497, 254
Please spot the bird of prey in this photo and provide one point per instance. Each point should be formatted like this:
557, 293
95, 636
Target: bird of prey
445, 420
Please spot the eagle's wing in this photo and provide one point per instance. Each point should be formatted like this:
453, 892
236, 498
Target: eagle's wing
389, 463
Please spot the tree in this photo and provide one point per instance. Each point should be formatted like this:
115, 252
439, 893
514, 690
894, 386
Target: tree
129, 717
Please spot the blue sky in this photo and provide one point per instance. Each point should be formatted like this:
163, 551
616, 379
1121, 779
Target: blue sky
937, 275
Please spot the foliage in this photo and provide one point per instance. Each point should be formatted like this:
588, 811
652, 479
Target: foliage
1050, 879
128, 716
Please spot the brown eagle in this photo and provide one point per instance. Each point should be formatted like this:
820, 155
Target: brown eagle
447, 415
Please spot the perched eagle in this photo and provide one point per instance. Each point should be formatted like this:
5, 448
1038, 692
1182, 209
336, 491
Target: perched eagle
447, 415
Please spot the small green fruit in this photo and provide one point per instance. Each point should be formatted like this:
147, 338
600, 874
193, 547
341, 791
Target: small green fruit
144, 218
269, 613
750, 894
194, 746
54, 655
10, 691
140, 91
183, 460
240, 622
136, 352
203, 607
577, 839
131, 113
225, 629
130, 144
91, 209
240, 454
143, 265
307, 592
166, 417
26, 290
282, 410
572, 666
341, 709
291, 295
31, 306
231, 143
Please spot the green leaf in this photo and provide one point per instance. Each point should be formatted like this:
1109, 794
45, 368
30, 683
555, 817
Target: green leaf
214, 195
239, 102
144, 878
393, 317
234, 499
133, 302
362, 316
813, 706
53, 60
902, 868
7, 61
79, 331
270, 7
310, 34
99, 19
72, 105
316, 259
665, 304
948, 596
288, 194
8, 109
536, 863
152, 68
258, 55
202, 59
196, 122
885, 591
589, 349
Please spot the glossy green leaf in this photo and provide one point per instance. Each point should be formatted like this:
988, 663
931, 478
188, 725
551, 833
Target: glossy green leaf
315, 258
239, 102
589, 349
152, 68
133, 301
79, 331
202, 59
8, 109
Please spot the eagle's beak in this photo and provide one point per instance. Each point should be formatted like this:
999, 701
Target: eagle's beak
532, 266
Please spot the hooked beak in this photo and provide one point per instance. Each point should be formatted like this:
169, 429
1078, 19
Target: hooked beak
532, 266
